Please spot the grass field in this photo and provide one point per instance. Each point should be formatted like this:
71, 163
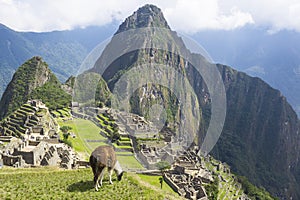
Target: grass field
154, 180
129, 162
88, 138
84, 130
51, 183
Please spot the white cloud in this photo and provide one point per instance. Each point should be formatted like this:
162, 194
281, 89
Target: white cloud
187, 16
46, 15
203, 14
276, 14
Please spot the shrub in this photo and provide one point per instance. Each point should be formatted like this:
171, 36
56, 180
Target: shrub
68, 142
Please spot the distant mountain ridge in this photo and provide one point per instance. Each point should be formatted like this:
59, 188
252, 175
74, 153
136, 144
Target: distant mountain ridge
64, 51
273, 57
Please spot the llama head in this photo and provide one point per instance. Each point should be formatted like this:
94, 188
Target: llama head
120, 176
118, 170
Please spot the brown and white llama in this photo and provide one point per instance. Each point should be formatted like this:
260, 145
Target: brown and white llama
102, 157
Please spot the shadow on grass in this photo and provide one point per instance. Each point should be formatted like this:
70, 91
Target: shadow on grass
81, 186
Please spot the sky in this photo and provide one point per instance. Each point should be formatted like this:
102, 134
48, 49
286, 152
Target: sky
189, 16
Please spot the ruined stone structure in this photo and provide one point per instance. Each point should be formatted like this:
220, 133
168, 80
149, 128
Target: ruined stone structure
133, 124
150, 155
187, 176
20, 153
31, 121
45, 126
186, 185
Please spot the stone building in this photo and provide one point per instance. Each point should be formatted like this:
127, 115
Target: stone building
185, 178
20, 153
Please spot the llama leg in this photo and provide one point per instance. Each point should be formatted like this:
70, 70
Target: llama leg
96, 180
110, 174
101, 176
95, 172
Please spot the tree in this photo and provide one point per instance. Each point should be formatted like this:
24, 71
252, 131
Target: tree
162, 166
161, 180
65, 130
212, 189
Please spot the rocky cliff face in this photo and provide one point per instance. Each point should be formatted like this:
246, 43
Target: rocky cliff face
146, 16
260, 138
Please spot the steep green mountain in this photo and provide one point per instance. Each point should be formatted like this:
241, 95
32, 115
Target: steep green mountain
33, 80
260, 138
149, 59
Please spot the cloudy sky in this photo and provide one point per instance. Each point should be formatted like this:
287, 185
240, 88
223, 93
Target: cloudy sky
188, 16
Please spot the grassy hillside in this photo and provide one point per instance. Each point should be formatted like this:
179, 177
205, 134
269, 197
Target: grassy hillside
51, 183
52, 94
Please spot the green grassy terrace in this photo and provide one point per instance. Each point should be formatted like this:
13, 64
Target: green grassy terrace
53, 183
233, 186
88, 137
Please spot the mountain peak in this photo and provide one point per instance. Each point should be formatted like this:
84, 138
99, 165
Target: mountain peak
32, 80
146, 16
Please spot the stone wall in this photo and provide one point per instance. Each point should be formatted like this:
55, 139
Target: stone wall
5, 138
144, 160
168, 180
38, 153
26, 156
11, 160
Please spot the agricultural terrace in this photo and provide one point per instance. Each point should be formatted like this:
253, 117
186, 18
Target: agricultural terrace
88, 137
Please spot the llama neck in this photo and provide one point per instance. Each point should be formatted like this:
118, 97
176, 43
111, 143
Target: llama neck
118, 168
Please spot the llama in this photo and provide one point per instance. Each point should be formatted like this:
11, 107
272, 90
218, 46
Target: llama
104, 156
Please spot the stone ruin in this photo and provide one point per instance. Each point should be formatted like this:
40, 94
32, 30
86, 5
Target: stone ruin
24, 153
133, 124
188, 176
32, 121
45, 128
